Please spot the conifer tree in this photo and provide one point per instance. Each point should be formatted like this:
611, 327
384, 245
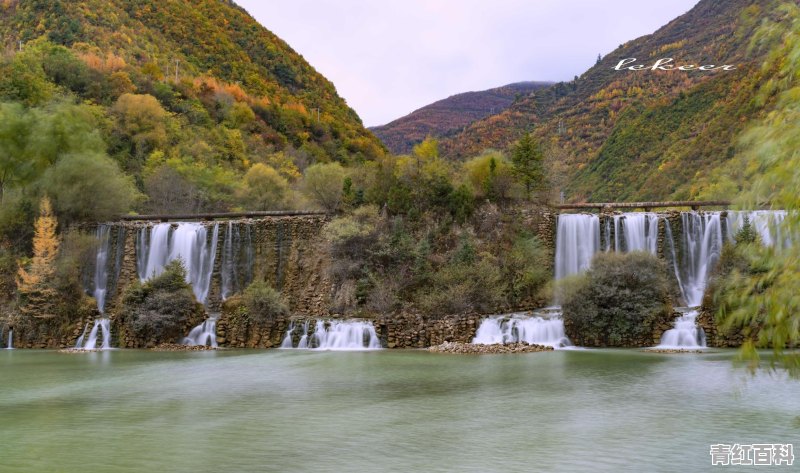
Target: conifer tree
34, 282
528, 160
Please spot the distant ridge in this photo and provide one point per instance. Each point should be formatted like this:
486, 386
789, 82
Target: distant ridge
448, 116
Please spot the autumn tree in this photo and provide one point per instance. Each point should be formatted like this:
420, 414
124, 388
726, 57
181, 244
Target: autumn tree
323, 183
264, 188
37, 295
528, 160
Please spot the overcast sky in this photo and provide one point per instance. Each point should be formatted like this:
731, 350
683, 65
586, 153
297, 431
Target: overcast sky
390, 57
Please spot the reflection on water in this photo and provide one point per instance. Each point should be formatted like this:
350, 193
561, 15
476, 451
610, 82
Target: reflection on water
598, 410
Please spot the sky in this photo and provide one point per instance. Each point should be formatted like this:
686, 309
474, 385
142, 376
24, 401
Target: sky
388, 58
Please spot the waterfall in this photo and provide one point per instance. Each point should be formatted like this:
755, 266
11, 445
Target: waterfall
100, 325
336, 335
236, 268
79, 342
101, 266
702, 244
685, 334
10, 345
189, 242
767, 223
670, 241
577, 240
635, 231
204, 334
287, 340
515, 328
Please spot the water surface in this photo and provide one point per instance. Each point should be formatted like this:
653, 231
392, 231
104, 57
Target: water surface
591, 410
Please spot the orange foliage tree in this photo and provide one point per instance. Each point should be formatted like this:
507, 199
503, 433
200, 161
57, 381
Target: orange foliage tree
37, 296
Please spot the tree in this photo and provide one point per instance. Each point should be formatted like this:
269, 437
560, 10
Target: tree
528, 160
37, 295
16, 165
490, 175
142, 120
264, 188
89, 187
323, 183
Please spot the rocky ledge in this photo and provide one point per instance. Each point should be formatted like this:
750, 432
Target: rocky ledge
179, 347
475, 349
673, 350
81, 350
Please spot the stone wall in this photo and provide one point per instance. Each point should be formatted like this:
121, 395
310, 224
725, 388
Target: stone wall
660, 326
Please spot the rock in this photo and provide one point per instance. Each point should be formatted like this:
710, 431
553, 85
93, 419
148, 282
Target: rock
178, 347
475, 349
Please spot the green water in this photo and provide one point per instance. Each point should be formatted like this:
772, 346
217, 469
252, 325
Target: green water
234, 411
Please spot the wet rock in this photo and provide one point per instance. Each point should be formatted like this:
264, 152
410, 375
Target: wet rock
475, 349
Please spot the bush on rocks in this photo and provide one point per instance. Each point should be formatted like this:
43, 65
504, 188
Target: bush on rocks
160, 309
619, 301
262, 302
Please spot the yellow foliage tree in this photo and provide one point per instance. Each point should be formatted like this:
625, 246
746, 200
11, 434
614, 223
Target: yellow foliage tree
37, 295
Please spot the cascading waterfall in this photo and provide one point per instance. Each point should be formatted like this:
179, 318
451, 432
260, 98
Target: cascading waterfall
204, 334
101, 266
634, 231
236, 269
102, 326
344, 335
187, 241
538, 329
685, 334
79, 342
10, 345
577, 240
702, 245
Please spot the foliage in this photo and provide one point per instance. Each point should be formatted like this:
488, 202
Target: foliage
264, 188
490, 176
618, 301
528, 160
34, 280
89, 187
527, 269
323, 183
470, 283
263, 302
764, 289
160, 308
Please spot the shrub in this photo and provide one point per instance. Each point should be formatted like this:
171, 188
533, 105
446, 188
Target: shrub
263, 302
463, 287
620, 300
160, 309
527, 268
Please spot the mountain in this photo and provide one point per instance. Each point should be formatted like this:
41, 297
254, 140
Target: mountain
197, 57
448, 116
645, 134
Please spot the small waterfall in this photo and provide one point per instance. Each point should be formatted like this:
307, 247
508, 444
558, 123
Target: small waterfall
336, 335
188, 241
303, 343
767, 223
10, 345
577, 240
670, 242
635, 231
287, 340
685, 334
515, 328
100, 325
79, 342
101, 266
204, 334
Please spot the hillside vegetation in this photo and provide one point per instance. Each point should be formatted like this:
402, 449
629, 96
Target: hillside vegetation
630, 135
451, 115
